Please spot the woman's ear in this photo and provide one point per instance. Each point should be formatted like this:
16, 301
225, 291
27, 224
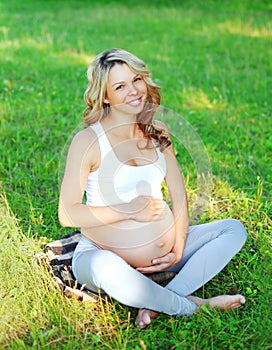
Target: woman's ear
106, 101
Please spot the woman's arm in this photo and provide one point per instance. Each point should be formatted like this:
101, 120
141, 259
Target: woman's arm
83, 157
177, 191
175, 184
178, 194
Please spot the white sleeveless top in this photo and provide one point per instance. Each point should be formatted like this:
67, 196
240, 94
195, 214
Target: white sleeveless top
115, 182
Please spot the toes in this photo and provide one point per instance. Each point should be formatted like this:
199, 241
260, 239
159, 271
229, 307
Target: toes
242, 299
142, 325
146, 318
238, 302
143, 319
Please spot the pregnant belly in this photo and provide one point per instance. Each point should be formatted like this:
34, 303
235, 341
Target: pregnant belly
136, 242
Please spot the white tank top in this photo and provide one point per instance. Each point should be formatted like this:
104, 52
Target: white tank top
115, 182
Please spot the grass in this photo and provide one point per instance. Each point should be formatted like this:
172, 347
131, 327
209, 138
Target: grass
213, 62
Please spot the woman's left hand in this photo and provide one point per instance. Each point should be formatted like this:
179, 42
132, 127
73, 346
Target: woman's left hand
159, 264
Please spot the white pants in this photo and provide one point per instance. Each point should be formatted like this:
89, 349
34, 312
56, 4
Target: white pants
208, 249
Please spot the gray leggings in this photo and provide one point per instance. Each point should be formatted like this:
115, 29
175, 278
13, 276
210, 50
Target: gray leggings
209, 247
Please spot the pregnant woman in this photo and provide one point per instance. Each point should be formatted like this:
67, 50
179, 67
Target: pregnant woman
112, 190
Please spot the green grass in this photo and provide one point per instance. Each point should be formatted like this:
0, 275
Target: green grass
213, 62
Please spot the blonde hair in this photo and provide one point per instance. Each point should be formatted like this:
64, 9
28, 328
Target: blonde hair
95, 94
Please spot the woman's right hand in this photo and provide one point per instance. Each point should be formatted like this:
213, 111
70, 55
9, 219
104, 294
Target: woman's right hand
146, 209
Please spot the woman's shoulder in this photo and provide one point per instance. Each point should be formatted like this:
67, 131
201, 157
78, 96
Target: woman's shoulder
85, 135
84, 139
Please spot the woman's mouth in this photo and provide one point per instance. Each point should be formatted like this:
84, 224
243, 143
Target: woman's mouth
136, 102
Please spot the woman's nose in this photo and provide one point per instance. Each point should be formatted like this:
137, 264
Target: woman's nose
133, 90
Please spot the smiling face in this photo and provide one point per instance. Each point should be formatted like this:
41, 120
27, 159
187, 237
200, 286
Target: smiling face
126, 91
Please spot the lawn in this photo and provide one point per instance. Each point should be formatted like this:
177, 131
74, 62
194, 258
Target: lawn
212, 60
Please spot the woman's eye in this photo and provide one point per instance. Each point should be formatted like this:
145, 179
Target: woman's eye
137, 79
119, 87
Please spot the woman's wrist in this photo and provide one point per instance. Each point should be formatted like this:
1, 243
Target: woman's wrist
179, 247
127, 212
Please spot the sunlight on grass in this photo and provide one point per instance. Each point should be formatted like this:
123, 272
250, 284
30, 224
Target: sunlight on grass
196, 99
27, 292
238, 27
23, 43
5, 31
163, 58
3, 107
245, 29
252, 212
79, 57
24, 285
71, 54
33, 307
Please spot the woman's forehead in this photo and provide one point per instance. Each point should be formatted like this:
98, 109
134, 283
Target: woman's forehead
120, 72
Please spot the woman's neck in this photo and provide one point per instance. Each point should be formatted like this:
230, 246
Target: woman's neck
124, 125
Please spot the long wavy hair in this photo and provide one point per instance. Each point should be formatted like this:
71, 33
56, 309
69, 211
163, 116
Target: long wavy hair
95, 94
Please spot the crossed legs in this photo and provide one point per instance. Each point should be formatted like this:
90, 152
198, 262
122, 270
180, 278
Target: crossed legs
209, 247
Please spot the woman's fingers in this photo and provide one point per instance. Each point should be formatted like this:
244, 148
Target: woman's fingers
159, 264
146, 208
166, 259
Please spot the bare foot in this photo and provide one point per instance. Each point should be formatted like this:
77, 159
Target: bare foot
222, 302
144, 317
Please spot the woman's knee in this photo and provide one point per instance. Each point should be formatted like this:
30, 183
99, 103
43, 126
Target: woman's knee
92, 268
106, 264
238, 229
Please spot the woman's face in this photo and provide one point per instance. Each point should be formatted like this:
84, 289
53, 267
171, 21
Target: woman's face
126, 91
